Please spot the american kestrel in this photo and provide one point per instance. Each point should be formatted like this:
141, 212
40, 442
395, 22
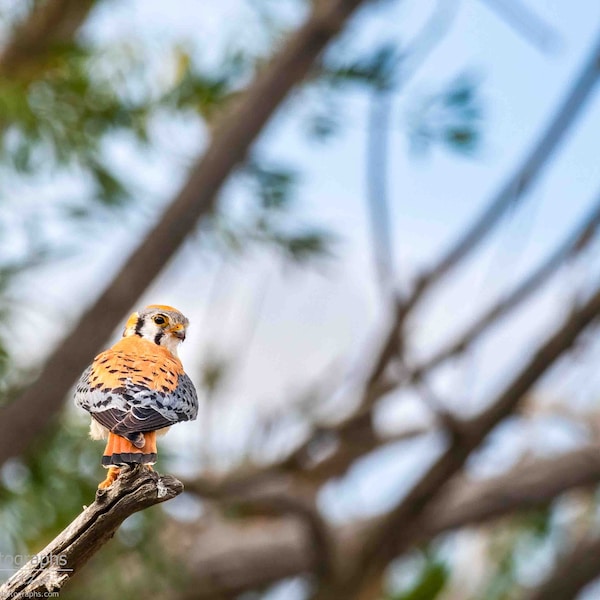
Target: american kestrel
137, 389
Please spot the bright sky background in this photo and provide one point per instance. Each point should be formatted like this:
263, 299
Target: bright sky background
318, 319
315, 322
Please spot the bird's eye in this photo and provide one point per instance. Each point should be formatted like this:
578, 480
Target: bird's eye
159, 320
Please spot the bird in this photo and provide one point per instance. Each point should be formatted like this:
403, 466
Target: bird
137, 389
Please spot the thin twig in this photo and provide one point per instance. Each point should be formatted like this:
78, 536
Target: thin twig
526, 23
379, 128
515, 187
378, 142
576, 243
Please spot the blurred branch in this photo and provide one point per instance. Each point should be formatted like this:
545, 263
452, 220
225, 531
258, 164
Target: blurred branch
354, 439
331, 450
514, 189
576, 243
379, 129
428, 38
24, 419
302, 466
510, 194
49, 25
357, 428
228, 558
397, 531
378, 142
572, 572
526, 486
526, 23
355, 436
303, 507
51, 568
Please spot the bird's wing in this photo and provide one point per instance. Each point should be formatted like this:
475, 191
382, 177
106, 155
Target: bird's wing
137, 387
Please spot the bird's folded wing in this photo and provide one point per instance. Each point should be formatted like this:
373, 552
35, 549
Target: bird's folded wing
142, 420
109, 418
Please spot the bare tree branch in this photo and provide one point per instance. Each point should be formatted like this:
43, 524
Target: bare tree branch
357, 429
378, 141
526, 23
355, 436
526, 486
228, 558
380, 547
25, 418
50, 569
510, 193
303, 507
313, 473
576, 243
514, 189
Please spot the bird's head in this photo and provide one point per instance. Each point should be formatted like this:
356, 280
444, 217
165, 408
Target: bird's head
163, 325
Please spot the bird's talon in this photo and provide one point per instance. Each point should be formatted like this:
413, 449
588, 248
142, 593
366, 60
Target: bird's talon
111, 477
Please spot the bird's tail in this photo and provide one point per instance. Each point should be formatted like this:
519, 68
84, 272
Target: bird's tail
121, 451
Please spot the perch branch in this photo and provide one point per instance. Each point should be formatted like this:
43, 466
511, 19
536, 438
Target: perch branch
51, 568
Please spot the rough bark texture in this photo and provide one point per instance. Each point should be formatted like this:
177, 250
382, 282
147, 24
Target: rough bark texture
51, 568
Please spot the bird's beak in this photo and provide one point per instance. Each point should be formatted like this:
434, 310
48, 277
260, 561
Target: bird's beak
178, 331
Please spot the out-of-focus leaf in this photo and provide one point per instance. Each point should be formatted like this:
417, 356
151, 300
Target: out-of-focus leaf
273, 185
323, 125
305, 246
214, 371
110, 190
377, 69
430, 584
451, 117
537, 522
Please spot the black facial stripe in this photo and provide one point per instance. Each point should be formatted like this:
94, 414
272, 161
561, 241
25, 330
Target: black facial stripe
158, 337
138, 326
